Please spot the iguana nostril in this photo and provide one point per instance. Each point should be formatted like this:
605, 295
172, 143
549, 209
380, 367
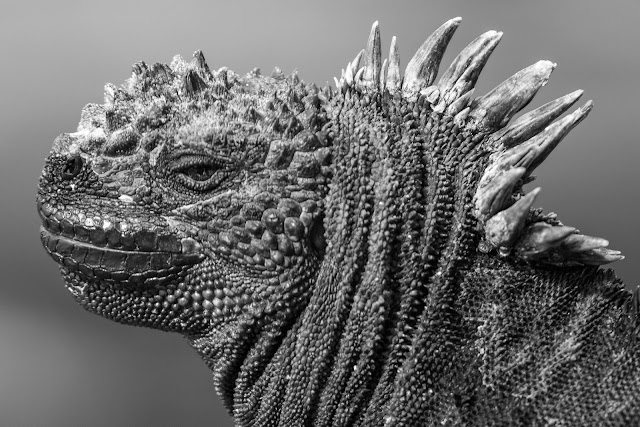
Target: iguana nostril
72, 167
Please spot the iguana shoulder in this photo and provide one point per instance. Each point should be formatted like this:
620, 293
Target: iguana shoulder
365, 255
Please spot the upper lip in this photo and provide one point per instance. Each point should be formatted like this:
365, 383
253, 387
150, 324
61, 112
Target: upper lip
108, 234
110, 251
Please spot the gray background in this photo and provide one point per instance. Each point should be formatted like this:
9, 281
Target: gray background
62, 366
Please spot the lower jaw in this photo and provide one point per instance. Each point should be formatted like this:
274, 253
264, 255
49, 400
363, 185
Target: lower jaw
127, 305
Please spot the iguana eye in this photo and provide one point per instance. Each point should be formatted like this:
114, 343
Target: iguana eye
200, 173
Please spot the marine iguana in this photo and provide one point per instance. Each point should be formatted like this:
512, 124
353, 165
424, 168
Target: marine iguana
365, 255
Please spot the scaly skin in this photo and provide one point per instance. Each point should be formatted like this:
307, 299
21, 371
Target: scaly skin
365, 256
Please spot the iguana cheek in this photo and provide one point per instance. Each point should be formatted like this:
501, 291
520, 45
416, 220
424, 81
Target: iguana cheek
273, 244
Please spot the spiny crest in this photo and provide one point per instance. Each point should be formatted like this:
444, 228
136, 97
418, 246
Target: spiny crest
504, 212
188, 96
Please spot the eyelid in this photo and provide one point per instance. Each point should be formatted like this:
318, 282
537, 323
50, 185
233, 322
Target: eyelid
186, 162
179, 168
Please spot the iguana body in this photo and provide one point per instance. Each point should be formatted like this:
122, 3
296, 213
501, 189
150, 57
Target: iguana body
365, 256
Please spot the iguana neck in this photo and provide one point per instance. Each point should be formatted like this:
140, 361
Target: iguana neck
399, 236
242, 352
401, 230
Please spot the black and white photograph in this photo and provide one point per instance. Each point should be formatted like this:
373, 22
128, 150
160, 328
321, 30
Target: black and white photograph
365, 213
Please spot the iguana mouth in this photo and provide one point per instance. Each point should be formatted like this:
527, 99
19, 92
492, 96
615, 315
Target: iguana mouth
85, 251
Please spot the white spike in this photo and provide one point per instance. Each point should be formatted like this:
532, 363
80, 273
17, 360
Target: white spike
503, 228
539, 238
394, 79
372, 58
383, 73
491, 194
463, 73
597, 256
348, 74
355, 64
461, 103
423, 67
358, 77
496, 108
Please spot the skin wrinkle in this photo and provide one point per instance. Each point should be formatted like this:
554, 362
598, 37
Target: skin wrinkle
332, 255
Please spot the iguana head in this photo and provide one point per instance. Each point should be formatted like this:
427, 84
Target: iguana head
189, 196
326, 251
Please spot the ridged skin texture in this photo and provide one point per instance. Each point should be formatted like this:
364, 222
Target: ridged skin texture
355, 257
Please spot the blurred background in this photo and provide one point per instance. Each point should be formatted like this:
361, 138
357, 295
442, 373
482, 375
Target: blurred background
61, 366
